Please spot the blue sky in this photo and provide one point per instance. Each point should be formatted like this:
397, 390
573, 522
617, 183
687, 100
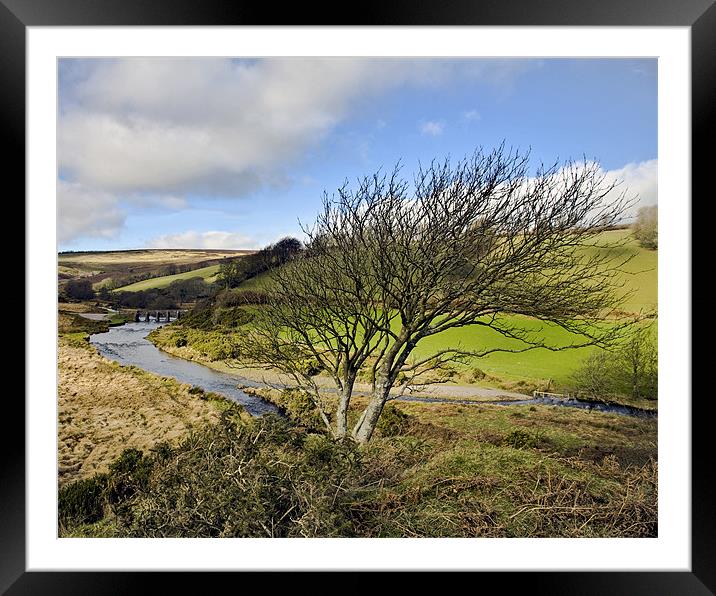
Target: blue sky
220, 153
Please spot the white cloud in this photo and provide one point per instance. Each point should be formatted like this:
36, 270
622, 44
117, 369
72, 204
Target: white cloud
471, 115
212, 125
639, 180
86, 212
635, 184
211, 239
150, 131
432, 128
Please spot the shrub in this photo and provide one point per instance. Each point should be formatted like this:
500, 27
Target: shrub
393, 421
82, 501
520, 439
128, 474
630, 370
232, 317
300, 409
79, 289
477, 374
249, 479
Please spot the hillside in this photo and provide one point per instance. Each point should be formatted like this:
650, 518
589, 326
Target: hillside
208, 274
114, 266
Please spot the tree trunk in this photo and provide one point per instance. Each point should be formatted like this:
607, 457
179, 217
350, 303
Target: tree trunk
342, 411
364, 429
395, 359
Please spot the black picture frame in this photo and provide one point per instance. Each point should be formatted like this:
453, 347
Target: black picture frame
17, 15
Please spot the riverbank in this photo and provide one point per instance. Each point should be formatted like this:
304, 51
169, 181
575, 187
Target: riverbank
165, 338
104, 408
174, 341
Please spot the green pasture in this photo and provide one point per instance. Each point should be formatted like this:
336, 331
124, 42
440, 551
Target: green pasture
208, 274
255, 283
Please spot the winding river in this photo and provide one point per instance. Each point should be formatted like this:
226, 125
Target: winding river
128, 344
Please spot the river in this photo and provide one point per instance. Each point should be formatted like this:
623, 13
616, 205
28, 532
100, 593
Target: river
128, 344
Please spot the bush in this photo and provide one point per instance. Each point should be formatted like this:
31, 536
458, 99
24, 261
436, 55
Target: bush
520, 439
249, 479
393, 421
83, 501
232, 317
79, 289
477, 374
128, 475
300, 408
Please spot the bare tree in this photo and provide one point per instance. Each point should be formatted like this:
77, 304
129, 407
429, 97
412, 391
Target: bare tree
628, 369
389, 263
646, 229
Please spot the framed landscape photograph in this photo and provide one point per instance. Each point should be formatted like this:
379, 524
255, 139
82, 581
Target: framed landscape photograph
360, 298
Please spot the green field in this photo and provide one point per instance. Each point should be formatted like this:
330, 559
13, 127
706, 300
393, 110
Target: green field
208, 274
539, 363
639, 275
639, 279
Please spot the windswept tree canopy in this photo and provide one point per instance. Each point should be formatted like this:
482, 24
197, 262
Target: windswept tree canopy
390, 262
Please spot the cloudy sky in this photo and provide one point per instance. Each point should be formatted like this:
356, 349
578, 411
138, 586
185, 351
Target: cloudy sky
232, 153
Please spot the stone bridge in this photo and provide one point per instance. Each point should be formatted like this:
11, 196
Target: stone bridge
158, 315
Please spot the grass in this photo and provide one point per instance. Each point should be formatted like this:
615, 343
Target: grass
208, 274
255, 283
119, 258
104, 408
640, 275
639, 279
539, 363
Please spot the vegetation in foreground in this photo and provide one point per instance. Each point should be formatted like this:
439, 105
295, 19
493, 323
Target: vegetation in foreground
432, 470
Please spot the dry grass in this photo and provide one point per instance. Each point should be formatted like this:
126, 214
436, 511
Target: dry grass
144, 257
104, 408
78, 307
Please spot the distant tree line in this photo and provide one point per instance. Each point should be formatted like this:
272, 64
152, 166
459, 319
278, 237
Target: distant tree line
233, 272
175, 295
